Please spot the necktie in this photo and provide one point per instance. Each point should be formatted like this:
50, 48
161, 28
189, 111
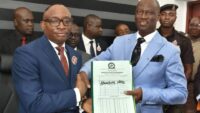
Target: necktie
92, 53
137, 51
23, 40
63, 59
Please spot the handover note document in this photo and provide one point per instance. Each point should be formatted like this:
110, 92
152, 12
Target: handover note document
109, 81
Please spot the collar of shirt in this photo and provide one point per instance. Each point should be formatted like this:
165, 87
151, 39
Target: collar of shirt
54, 45
86, 42
147, 38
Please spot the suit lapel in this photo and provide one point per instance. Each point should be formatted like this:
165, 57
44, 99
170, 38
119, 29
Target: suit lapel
152, 49
81, 45
131, 42
72, 60
49, 51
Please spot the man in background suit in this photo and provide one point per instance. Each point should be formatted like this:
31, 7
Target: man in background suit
9, 41
122, 29
158, 75
92, 30
45, 71
23, 33
74, 39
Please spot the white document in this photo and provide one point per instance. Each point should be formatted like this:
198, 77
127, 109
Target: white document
109, 81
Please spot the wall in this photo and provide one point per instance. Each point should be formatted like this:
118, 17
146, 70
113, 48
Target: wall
111, 11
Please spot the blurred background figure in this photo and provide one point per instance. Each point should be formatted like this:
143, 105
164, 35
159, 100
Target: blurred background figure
90, 41
74, 39
167, 19
194, 35
122, 29
23, 34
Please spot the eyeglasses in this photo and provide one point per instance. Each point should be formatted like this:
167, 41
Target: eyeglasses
56, 21
194, 25
74, 35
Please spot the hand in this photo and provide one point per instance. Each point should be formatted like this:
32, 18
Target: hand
87, 105
81, 85
137, 94
84, 77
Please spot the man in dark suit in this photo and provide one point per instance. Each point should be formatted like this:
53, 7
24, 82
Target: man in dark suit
92, 30
45, 70
74, 39
11, 39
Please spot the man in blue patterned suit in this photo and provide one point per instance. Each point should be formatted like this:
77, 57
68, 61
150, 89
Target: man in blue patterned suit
44, 83
158, 75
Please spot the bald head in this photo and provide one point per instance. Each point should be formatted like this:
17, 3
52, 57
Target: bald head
92, 26
53, 9
23, 21
147, 15
153, 3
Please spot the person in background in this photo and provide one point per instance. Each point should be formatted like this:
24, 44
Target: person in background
73, 40
194, 88
45, 71
24, 27
194, 35
197, 87
167, 30
90, 41
122, 29
158, 75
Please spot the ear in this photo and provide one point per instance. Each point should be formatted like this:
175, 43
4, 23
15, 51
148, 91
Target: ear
42, 25
15, 22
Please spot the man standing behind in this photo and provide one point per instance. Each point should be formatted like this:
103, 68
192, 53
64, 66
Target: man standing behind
158, 75
45, 71
90, 41
194, 35
167, 20
167, 30
23, 34
74, 39
23, 23
122, 29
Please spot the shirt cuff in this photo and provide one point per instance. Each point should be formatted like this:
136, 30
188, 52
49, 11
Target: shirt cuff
198, 97
78, 96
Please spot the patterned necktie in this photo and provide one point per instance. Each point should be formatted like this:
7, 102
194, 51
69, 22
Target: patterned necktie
137, 51
23, 40
63, 59
92, 53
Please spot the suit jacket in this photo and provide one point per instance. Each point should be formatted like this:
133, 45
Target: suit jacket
40, 79
162, 81
197, 83
103, 45
85, 56
9, 41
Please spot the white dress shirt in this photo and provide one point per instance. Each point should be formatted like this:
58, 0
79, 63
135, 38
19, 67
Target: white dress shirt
147, 38
86, 42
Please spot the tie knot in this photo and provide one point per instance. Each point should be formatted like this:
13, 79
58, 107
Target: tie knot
23, 40
140, 40
60, 50
91, 42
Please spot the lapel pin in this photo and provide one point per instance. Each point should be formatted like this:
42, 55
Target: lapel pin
74, 60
